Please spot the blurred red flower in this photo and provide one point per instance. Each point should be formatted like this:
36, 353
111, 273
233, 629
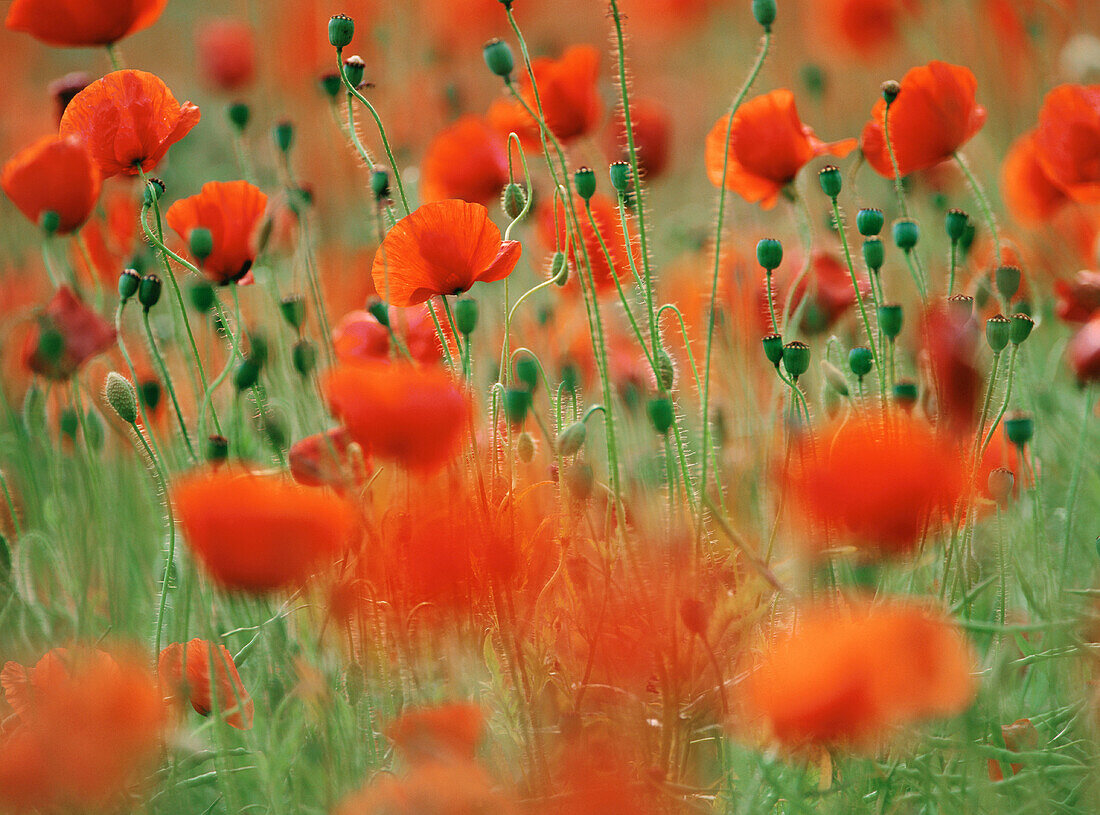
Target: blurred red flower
68, 334
53, 175
441, 733
232, 211
128, 119
1029, 194
768, 145
1078, 299
869, 29
227, 53
78, 23
652, 125
934, 115
184, 673
1066, 139
467, 160
605, 212
323, 460
567, 89
1083, 351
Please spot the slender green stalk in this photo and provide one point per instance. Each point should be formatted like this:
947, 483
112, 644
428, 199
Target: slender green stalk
1075, 479
983, 202
155, 352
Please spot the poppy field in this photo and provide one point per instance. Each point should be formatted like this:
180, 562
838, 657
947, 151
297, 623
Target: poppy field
577, 407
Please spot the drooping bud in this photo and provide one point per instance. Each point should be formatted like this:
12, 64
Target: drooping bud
571, 439
246, 375
584, 180
498, 58
525, 447
341, 30
513, 200
890, 319
527, 372
997, 331
283, 135
666, 370
559, 269
796, 358
831, 180
517, 401
834, 377
579, 480
869, 222
769, 254
119, 393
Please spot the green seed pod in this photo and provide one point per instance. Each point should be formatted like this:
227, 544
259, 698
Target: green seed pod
217, 449
513, 200
246, 375
773, 349
666, 370
1019, 428
874, 253
906, 393
304, 356
796, 358
559, 269
906, 234
379, 311
834, 377
890, 319
890, 90
869, 222
354, 70
380, 183
50, 222
579, 480
517, 401
764, 11
330, 84
997, 331
769, 254
152, 192
584, 181
1007, 280
831, 180
239, 115
955, 223
149, 291
150, 393
119, 393
498, 58
962, 305
1021, 327
128, 283
257, 348
527, 372
466, 313
660, 413
341, 30
525, 447
283, 134
570, 377
93, 430
69, 423
293, 309
860, 361
620, 172
201, 243
571, 439
51, 344
201, 295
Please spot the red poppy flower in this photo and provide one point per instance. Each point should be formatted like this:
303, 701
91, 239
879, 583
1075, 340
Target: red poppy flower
1078, 299
258, 533
53, 175
232, 211
438, 788
1021, 735
1083, 351
323, 460
232, 699
83, 334
878, 484
828, 285
605, 212
570, 100
767, 147
128, 119
227, 53
77, 23
446, 733
441, 248
414, 416
934, 115
1030, 195
87, 733
467, 160
652, 126
65, 88
844, 676
868, 29
951, 342
1066, 141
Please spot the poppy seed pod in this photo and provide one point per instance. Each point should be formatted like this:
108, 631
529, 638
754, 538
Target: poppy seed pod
620, 172
906, 234
246, 375
874, 253
379, 311
890, 90
997, 330
831, 180
1007, 280
283, 135
466, 313
860, 361
890, 319
380, 183
527, 372
293, 309
1021, 327
796, 358
69, 423
152, 192
330, 84
517, 401
906, 393
304, 355
201, 243
955, 224
201, 295
239, 114
354, 70
1019, 428
769, 253
773, 349
660, 413
498, 58
869, 222
341, 30
50, 222
961, 304
120, 395
149, 392
584, 180
149, 291
128, 283
217, 449
571, 439
764, 11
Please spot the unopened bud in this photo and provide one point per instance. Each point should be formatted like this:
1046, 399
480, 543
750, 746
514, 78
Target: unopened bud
119, 393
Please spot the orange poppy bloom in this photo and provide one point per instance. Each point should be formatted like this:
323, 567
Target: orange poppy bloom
877, 485
259, 533
441, 248
951, 343
868, 29
227, 53
90, 727
1078, 299
466, 160
934, 115
767, 147
437, 733
232, 211
1083, 351
1065, 139
77, 23
53, 175
1030, 195
128, 119
571, 102
436, 788
845, 676
84, 334
605, 212
323, 460
414, 416
828, 285
195, 685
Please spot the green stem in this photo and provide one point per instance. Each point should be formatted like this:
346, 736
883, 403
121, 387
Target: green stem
167, 381
1075, 479
983, 202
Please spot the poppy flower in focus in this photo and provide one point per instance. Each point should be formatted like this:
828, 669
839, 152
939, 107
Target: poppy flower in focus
79, 23
184, 673
68, 334
878, 484
467, 160
934, 115
437, 733
768, 145
53, 175
128, 120
1030, 195
570, 100
605, 212
1066, 139
1083, 351
414, 416
323, 460
845, 676
260, 533
89, 731
232, 211
440, 249
1078, 299
227, 53
652, 125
